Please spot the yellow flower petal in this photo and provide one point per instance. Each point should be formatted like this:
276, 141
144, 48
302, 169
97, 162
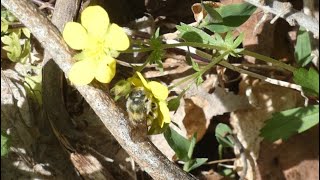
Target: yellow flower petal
96, 20
75, 35
82, 72
116, 38
135, 81
165, 113
106, 69
158, 90
144, 82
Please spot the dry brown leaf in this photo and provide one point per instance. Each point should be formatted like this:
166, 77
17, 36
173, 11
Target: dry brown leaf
199, 13
200, 105
247, 123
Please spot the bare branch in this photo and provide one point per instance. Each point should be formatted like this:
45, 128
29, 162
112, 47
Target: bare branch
143, 152
292, 16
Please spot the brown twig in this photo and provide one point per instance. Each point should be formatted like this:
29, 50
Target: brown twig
292, 16
43, 4
221, 161
143, 152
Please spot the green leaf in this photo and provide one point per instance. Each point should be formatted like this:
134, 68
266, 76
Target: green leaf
228, 173
195, 65
4, 25
199, 80
238, 41
192, 145
156, 129
302, 50
6, 40
229, 39
309, 80
26, 49
174, 104
213, 15
33, 86
121, 89
192, 34
286, 123
4, 144
156, 57
196, 163
26, 32
178, 143
157, 33
221, 132
233, 16
193, 163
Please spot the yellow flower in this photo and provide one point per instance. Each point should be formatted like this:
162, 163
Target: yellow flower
159, 92
99, 41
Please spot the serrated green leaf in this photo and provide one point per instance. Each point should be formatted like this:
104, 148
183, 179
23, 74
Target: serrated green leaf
218, 39
309, 80
233, 16
4, 144
286, 123
178, 143
196, 163
229, 39
221, 132
238, 41
303, 48
156, 57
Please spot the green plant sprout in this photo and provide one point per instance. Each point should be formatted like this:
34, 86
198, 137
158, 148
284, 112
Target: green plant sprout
16, 40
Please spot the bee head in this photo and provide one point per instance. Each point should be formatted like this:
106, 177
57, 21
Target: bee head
137, 95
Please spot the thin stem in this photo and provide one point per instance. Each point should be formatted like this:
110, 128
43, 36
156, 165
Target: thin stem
268, 59
193, 44
221, 161
168, 46
185, 80
199, 73
138, 50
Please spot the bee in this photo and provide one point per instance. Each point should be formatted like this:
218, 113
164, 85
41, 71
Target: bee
140, 107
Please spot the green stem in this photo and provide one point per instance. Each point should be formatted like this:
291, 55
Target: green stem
199, 73
214, 62
192, 44
144, 49
268, 59
168, 46
185, 80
